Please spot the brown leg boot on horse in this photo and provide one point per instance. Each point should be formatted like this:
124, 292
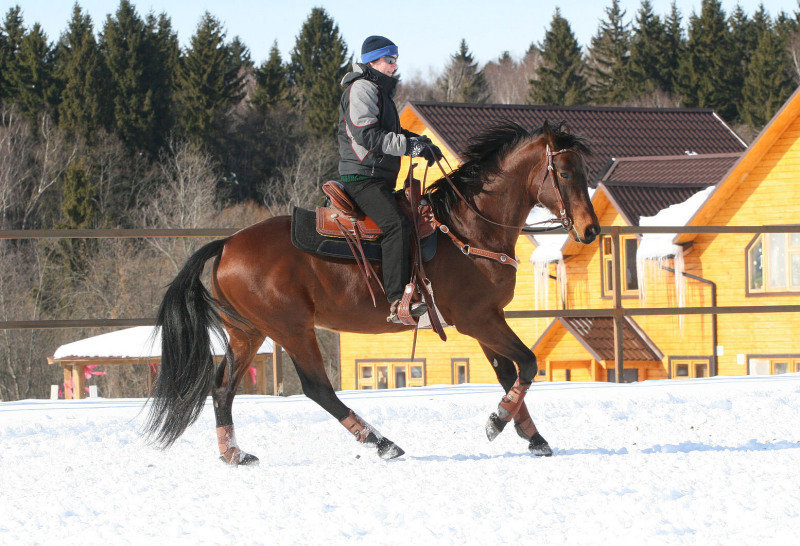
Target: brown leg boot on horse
507, 376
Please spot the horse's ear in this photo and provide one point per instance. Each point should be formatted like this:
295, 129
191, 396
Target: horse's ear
547, 132
565, 127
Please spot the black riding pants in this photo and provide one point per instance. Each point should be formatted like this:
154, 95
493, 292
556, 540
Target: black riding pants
374, 197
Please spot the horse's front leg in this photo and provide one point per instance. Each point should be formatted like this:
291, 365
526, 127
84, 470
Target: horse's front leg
523, 423
503, 347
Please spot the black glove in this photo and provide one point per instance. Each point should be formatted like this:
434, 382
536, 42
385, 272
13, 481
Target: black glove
422, 146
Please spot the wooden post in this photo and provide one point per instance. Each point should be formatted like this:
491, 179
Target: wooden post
78, 380
67, 380
261, 374
247, 387
152, 373
548, 370
277, 369
616, 249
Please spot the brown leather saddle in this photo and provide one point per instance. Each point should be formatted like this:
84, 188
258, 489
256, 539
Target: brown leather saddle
343, 219
342, 215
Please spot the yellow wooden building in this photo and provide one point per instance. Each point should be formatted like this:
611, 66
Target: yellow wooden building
653, 345
762, 187
382, 361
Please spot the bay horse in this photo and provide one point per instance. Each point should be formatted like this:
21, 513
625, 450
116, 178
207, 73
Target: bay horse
263, 286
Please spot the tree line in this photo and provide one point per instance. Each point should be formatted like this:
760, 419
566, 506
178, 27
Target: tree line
743, 66
115, 125
129, 80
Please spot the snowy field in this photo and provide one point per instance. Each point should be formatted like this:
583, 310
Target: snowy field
700, 461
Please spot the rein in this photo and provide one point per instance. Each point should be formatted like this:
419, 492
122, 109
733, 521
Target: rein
564, 219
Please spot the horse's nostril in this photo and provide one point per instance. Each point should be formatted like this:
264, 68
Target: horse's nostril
592, 232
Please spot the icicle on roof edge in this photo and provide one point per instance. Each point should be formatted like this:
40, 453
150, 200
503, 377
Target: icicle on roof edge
660, 245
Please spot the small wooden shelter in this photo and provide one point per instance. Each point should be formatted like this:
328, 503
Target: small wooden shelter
142, 346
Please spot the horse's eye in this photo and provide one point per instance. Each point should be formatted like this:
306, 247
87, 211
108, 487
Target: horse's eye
564, 175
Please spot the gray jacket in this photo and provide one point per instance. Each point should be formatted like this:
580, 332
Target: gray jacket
371, 140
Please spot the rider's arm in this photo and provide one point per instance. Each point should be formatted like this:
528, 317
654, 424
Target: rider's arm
362, 122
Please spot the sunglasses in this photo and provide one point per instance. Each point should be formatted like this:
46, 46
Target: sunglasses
390, 60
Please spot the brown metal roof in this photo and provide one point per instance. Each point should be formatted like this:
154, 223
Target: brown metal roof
597, 335
611, 131
642, 186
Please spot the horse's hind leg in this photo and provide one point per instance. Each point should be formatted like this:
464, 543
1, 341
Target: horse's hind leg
523, 423
304, 351
227, 379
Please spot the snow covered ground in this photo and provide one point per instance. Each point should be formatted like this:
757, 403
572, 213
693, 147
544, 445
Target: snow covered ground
700, 461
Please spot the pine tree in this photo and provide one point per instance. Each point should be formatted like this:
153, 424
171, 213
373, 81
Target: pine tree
239, 55
649, 51
139, 57
163, 53
79, 205
708, 69
318, 64
11, 34
745, 34
30, 75
768, 83
271, 82
675, 47
85, 101
209, 83
560, 79
608, 58
461, 80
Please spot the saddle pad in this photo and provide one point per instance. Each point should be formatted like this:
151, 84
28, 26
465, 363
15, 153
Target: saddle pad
305, 237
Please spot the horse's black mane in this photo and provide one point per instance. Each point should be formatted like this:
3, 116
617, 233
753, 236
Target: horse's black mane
482, 159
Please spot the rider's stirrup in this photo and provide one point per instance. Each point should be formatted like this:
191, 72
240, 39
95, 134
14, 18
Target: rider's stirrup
417, 309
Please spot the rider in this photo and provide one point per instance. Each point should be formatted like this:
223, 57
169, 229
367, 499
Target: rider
371, 142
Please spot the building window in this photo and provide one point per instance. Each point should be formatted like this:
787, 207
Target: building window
630, 281
767, 365
389, 375
460, 370
685, 368
773, 263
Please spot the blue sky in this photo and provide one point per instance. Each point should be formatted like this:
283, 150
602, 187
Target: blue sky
426, 31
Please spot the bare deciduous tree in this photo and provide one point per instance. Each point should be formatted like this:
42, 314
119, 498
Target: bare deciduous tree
23, 369
299, 182
185, 198
17, 165
508, 79
793, 45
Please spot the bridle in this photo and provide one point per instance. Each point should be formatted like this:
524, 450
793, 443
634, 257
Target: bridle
501, 257
565, 220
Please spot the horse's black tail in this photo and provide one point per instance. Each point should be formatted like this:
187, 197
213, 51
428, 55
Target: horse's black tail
186, 373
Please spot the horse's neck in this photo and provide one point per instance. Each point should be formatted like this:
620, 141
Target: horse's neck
500, 204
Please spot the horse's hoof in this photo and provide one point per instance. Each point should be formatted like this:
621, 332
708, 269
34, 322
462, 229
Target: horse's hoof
245, 459
494, 426
387, 449
249, 460
539, 446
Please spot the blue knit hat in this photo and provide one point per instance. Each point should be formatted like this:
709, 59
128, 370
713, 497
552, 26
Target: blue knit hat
376, 47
